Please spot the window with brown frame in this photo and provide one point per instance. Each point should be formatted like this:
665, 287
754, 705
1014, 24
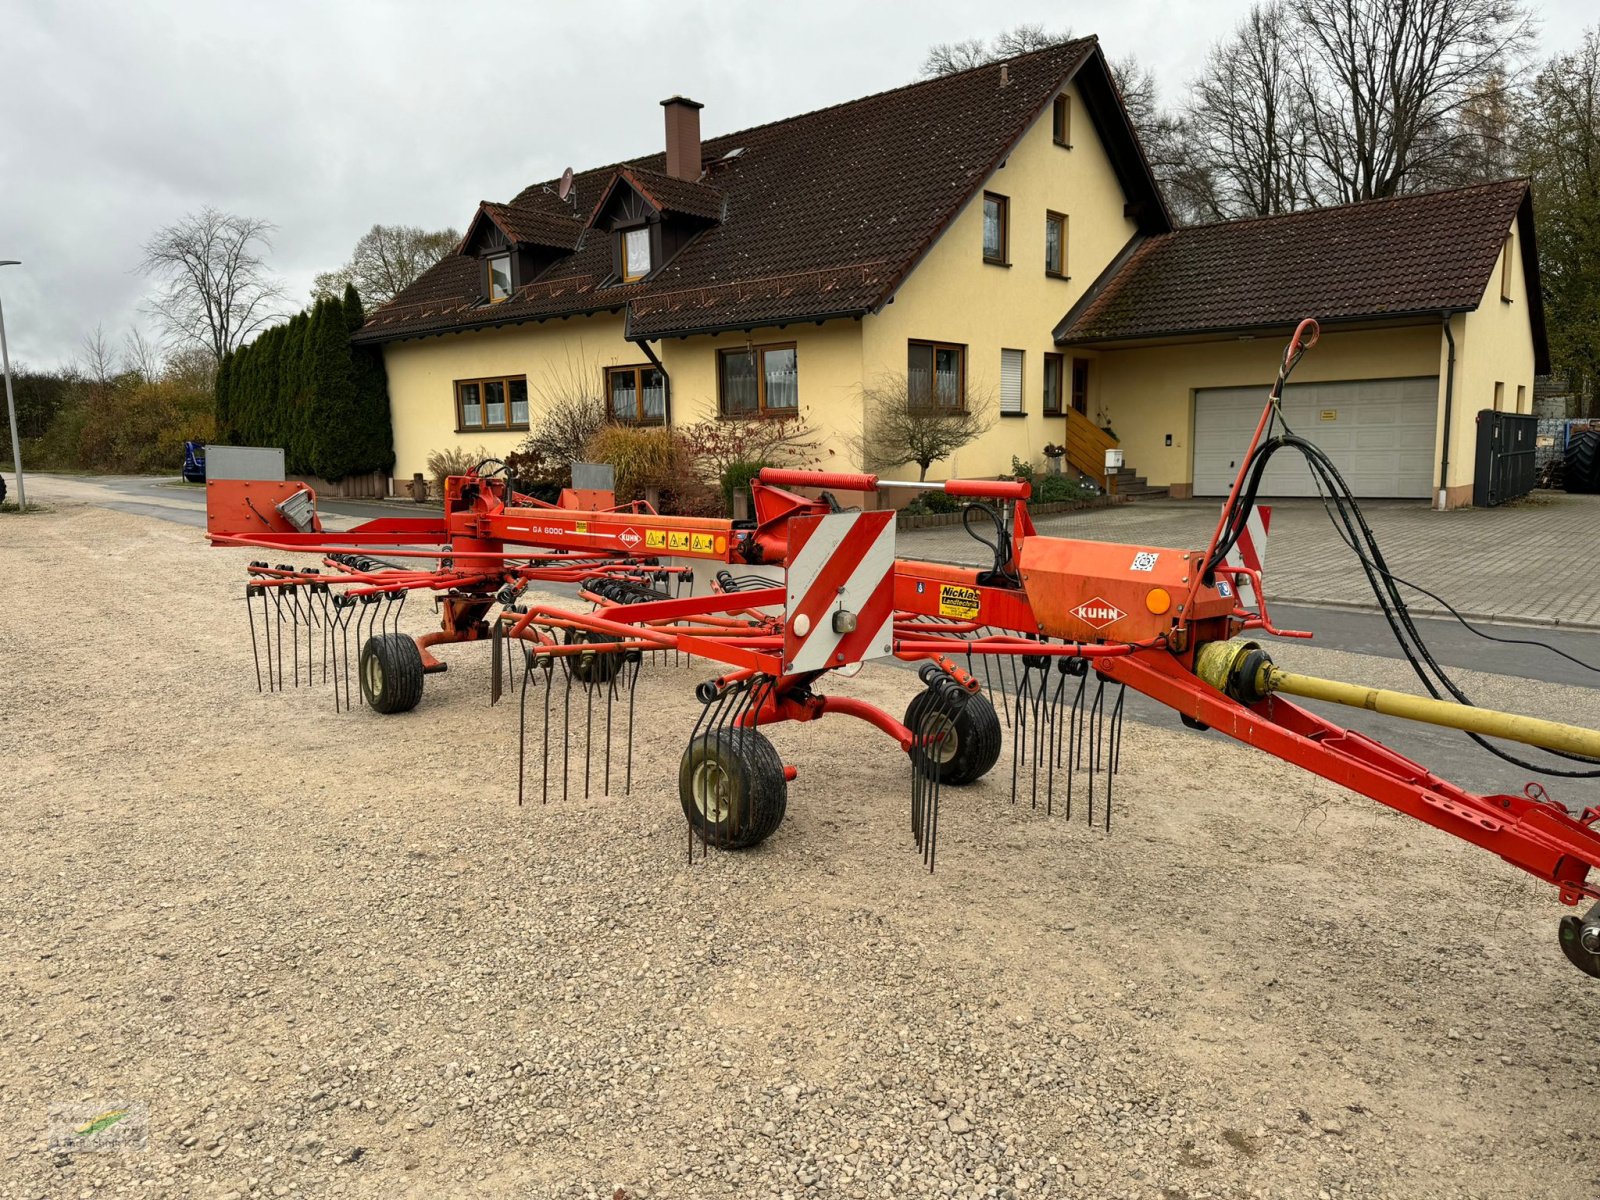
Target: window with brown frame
499, 285
1061, 121
1052, 385
1055, 245
636, 395
936, 375
490, 404
1505, 270
1080, 385
635, 253
996, 229
759, 381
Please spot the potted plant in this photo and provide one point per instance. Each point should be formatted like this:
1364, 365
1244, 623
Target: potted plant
1053, 455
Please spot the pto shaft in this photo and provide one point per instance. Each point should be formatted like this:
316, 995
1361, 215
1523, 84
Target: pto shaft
1244, 671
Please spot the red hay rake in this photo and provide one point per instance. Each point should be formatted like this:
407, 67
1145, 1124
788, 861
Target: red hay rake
1056, 629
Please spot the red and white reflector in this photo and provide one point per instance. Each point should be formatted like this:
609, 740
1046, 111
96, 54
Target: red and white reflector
1251, 551
840, 583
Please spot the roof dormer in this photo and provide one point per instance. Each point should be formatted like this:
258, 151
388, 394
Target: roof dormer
650, 217
516, 244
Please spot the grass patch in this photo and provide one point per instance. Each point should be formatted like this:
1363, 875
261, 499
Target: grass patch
11, 506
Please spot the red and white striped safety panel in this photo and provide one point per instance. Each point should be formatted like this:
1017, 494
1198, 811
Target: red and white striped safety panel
1251, 551
840, 586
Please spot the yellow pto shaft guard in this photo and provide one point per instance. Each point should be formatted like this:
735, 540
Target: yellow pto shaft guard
1241, 669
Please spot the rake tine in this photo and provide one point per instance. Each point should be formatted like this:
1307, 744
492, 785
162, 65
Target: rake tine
1097, 715
1116, 760
1043, 720
566, 732
549, 668
611, 695
251, 590
323, 596
588, 718
1019, 736
633, 684
522, 730
275, 668
1114, 749
293, 592
1053, 743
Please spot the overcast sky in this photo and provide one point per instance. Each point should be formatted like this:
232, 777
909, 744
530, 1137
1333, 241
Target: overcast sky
325, 117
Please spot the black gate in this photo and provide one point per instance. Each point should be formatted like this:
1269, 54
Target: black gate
1506, 468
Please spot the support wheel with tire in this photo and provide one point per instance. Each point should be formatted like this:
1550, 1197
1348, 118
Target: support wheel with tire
391, 672
733, 789
971, 743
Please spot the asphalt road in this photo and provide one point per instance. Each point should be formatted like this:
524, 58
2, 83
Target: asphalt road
1448, 752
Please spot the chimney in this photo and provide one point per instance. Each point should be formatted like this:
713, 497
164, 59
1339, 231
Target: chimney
683, 137
1005, 75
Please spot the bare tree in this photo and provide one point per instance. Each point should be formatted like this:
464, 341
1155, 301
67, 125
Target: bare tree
1168, 143
946, 58
214, 289
140, 356
97, 362
1025, 39
1246, 119
387, 260
1383, 82
901, 426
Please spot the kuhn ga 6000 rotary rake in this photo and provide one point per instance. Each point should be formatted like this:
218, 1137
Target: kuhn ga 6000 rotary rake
1055, 629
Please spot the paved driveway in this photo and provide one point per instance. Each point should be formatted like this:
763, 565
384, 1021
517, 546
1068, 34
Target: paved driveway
1537, 560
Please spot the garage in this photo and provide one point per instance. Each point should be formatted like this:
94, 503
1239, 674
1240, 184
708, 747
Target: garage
1378, 432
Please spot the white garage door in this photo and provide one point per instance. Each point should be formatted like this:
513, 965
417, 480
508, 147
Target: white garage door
1379, 433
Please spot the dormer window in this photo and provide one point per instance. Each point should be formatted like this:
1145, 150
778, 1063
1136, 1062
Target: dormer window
635, 254
499, 268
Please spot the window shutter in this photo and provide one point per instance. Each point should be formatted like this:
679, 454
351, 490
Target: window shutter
1011, 381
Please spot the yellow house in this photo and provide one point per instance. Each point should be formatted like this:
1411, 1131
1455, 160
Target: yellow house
991, 239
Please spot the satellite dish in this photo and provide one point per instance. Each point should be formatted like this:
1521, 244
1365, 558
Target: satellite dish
564, 188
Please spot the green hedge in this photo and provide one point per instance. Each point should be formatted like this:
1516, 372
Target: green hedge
303, 386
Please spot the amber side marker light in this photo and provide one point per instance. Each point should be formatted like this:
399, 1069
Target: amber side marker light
1158, 600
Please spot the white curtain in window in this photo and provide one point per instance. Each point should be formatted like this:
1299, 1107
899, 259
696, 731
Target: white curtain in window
655, 396
1011, 381
992, 238
782, 379
637, 248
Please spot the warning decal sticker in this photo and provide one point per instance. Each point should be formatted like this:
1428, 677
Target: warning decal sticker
656, 539
702, 543
959, 602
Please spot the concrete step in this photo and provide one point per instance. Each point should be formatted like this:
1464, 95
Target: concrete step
1142, 492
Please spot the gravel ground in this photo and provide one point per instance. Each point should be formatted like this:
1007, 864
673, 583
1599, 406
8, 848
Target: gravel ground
331, 956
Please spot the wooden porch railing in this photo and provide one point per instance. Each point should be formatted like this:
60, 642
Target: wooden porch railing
1086, 445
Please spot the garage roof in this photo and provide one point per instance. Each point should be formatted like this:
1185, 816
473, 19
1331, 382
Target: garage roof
1432, 252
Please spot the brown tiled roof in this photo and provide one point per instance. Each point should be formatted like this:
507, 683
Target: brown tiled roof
1430, 252
669, 194
558, 230
818, 215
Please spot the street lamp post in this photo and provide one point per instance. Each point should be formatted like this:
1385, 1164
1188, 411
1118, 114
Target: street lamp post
11, 402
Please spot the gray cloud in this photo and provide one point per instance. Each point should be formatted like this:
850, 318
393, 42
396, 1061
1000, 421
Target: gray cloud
116, 119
